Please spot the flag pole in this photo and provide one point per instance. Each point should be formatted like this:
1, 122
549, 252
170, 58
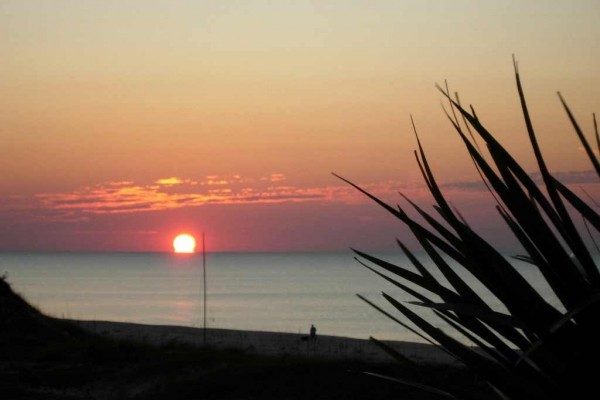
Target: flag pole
204, 278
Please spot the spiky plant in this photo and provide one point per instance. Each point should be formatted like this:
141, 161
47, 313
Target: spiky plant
534, 350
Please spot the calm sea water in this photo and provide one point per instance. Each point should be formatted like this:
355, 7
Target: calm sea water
254, 291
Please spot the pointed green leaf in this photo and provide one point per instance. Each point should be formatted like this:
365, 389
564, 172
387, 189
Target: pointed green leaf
429, 389
433, 287
396, 320
502, 378
481, 313
401, 358
581, 136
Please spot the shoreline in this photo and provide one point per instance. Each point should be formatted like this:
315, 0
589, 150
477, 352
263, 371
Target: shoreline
273, 344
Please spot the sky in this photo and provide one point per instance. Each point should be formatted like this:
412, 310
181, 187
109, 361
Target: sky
123, 123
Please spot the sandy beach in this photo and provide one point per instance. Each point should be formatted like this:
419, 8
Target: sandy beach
50, 359
269, 343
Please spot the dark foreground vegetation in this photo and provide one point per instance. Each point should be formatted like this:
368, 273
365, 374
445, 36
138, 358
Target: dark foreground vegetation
533, 350
45, 358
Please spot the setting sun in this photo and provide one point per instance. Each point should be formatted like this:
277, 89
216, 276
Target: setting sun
184, 243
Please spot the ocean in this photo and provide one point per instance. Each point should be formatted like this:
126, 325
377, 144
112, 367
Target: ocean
281, 292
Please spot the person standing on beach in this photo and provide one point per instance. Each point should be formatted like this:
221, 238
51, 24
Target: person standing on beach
313, 333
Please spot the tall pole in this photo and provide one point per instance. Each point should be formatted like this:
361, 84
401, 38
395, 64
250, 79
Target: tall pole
204, 277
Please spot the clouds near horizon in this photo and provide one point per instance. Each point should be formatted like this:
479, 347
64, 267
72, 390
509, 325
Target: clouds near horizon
149, 117
166, 205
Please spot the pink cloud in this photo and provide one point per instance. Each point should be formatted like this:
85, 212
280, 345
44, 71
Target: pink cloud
123, 197
162, 194
277, 177
169, 181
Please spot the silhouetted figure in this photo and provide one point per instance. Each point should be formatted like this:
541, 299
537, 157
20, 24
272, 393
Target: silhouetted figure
311, 339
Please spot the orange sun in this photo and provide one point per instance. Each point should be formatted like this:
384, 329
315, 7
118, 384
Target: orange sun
184, 243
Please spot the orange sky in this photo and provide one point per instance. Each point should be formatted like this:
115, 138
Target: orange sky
251, 104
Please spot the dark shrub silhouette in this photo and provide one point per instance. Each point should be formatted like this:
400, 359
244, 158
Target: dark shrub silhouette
535, 351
